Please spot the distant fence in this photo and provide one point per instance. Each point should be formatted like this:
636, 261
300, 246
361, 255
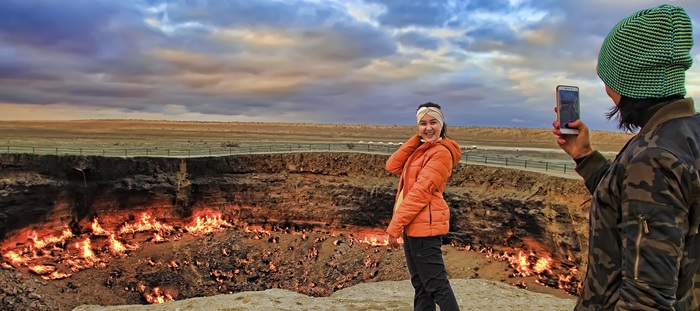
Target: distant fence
279, 148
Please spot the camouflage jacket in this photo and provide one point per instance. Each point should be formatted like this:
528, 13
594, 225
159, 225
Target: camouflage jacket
644, 250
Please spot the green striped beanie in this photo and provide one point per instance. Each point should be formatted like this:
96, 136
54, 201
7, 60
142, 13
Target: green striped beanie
646, 54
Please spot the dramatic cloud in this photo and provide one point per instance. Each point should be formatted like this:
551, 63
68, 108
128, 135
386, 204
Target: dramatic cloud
487, 62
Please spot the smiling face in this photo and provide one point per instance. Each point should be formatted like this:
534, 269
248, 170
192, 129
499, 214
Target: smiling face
429, 128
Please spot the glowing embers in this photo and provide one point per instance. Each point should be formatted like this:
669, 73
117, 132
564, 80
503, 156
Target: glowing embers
57, 255
527, 263
374, 238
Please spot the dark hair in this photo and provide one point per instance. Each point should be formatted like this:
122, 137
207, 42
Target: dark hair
631, 113
443, 132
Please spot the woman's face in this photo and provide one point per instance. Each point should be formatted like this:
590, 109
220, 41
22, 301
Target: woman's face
429, 128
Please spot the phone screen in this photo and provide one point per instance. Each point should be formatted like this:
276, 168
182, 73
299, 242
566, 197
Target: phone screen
568, 106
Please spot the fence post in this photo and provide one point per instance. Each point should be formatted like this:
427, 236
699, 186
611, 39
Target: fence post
168, 150
546, 166
466, 158
506, 161
564, 168
525, 163
329, 147
270, 148
486, 160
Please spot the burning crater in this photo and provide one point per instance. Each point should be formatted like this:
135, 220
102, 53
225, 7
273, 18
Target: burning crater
96, 230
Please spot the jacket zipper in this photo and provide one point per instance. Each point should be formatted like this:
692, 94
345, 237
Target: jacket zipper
642, 228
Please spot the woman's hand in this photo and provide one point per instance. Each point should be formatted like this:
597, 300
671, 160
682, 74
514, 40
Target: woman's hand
394, 242
576, 146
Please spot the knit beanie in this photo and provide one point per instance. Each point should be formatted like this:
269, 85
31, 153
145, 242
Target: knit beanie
646, 54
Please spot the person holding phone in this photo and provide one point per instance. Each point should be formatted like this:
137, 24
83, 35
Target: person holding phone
643, 249
421, 215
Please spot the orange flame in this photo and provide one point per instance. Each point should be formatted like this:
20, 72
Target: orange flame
15, 259
42, 269
145, 223
543, 264
49, 240
207, 224
96, 228
158, 296
56, 275
157, 238
115, 246
84, 246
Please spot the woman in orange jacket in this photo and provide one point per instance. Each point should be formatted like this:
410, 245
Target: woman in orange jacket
421, 215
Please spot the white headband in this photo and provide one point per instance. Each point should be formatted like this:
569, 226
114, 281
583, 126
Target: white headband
431, 111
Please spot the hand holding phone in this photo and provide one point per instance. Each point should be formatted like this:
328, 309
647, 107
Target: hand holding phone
568, 108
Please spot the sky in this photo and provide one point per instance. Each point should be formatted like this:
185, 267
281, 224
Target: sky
489, 63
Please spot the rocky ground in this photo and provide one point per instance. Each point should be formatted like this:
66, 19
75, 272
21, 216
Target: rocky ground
388, 295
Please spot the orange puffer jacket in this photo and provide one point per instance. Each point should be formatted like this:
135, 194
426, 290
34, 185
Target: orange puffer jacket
424, 168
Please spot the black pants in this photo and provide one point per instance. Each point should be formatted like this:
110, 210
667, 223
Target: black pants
428, 274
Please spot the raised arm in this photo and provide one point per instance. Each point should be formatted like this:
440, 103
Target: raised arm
397, 160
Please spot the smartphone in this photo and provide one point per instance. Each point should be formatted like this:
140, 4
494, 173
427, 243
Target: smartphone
568, 107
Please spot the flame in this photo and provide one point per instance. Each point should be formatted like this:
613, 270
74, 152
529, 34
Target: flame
56, 275
115, 246
521, 264
374, 237
543, 264
158, 296
207, 224
85, 248
42, 269
145, 223
15, 258
50, 240
157, 238
566, 281
96, 228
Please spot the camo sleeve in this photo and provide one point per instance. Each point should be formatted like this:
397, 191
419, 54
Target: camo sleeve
592, 169
654, 225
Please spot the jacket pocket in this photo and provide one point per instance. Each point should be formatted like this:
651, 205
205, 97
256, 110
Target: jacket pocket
654, 245
642, 229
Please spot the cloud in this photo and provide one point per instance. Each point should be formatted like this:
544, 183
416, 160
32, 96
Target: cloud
419, 40
401, 14
488, 63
